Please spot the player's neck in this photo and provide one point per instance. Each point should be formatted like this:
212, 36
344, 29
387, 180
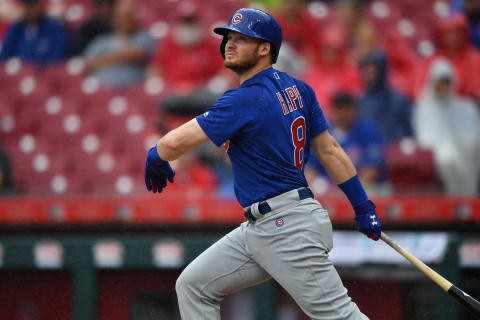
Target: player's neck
244, 76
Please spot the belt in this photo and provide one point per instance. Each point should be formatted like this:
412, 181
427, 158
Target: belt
264, 206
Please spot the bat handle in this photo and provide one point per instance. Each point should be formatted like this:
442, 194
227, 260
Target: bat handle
434, 276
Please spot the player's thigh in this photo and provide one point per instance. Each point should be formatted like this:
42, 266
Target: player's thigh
297, 258
223, 268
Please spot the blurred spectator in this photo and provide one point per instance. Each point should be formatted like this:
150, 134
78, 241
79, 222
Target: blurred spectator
299, 28
3, 28
363, 39
453, 44
35, 37
6, 184
334, 70
290, 61
189, 61
402, 62
386, 107
193, 176
359, 137
99, 23
449, 125
471, 9
10, 11
119, 58
188, 104
350, 15
189, 56
217, 159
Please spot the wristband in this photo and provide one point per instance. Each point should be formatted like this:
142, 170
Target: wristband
354, 191
156, 156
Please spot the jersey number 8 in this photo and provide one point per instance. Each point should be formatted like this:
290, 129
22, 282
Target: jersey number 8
298, 139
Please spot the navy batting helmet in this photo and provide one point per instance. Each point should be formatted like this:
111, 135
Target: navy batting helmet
254, 23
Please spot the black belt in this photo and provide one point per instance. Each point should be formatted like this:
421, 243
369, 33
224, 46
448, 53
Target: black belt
264, 207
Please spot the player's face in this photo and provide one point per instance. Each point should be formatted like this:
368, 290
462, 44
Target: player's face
241, 52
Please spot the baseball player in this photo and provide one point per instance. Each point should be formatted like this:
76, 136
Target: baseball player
270, 122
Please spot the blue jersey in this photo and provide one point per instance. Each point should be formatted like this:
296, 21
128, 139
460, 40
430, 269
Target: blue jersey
267, 124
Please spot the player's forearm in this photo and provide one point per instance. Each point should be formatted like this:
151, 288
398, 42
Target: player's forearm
342, 171
180, 140
333, 158
168, 150
337, 164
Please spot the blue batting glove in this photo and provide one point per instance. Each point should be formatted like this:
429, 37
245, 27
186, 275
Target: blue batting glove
367, 220
157, 171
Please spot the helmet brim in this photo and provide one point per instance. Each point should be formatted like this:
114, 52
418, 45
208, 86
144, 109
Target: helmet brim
223, 31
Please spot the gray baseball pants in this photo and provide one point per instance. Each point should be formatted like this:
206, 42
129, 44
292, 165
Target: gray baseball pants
289, 244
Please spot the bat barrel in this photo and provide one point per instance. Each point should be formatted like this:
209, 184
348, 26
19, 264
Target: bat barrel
472, 305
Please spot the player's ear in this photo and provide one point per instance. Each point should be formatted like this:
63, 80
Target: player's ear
265, 48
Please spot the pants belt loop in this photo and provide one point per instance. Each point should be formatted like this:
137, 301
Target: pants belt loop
254, 210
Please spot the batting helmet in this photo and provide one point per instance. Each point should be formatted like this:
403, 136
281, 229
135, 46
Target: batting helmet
254, 23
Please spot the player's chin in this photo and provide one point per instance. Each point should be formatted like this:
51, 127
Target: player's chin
230, 63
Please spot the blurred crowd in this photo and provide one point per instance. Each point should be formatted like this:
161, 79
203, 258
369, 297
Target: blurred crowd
399, 81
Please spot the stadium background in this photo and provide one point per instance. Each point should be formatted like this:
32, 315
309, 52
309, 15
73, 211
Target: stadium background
80, 238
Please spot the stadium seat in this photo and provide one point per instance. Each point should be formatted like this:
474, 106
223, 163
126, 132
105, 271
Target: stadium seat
224, 9
63, 75
141, 101
410, 168
13, 70
104, 172
33, 172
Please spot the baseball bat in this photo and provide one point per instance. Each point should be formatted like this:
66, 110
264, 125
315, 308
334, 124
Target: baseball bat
472, 305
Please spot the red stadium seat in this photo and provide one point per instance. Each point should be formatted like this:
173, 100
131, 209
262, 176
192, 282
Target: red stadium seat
33, 172
410, 168
143, 102
13, 70
224, 9
100, 171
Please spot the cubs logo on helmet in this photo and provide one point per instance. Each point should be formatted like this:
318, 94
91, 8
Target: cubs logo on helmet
237, 18
253, 23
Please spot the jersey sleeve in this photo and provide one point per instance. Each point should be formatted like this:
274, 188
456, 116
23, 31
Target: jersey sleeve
318, 122
225, 118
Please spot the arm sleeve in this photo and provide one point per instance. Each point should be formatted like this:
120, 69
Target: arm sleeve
225, 118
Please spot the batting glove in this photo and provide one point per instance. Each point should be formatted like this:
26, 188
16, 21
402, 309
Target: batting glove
367, 220
157, 171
